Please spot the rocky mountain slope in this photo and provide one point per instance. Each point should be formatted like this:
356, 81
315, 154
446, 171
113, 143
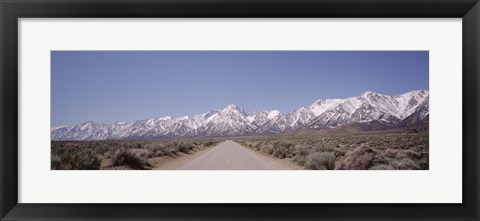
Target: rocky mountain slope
405, 110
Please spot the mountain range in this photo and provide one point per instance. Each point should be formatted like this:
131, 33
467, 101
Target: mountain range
368, 112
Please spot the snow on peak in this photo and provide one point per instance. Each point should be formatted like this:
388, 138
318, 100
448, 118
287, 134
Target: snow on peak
233, 108
323, 105
273, 114
165, 118
57, 127
420, 92
182, 117
317, 102
369, 93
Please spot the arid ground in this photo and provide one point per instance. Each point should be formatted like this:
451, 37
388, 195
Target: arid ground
370, 151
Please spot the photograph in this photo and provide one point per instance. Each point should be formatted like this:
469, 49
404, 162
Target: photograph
239, 110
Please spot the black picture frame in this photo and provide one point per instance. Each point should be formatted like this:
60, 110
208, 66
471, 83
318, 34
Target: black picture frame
12, 10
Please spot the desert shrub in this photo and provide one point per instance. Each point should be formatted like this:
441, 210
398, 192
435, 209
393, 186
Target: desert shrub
155, 146
413, 154
300, 153
134, 158
170, 150
300, 160
362, 158
405, 164
340, 152
208, 143
256, 145
280, 151
185, 147
391, 153
381, 167
283, 143
159, 148
247, 143
320, 161
423, 164
359, 160
318, 148
56, 163
101, 148
301, 150
74, 158
86, 160
267, 149
327, 147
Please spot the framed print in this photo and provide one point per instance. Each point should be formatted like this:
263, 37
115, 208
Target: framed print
239, 110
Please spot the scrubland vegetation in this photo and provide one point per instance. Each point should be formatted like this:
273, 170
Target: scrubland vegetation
89, 155
382, 151
395, 151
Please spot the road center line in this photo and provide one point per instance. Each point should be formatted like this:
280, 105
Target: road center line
229, 157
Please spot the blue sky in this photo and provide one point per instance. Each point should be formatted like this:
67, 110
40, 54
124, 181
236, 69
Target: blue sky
109, 86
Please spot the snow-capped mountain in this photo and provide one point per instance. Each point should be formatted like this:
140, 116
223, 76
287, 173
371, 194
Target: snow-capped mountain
398, 111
